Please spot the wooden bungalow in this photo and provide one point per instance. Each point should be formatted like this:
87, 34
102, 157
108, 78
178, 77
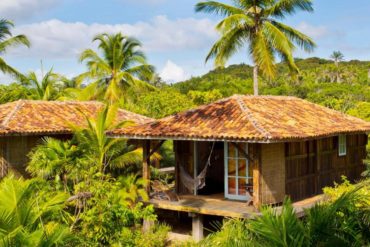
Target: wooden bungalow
241, 152
24, 122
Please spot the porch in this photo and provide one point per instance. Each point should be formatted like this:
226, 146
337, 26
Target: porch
217, 205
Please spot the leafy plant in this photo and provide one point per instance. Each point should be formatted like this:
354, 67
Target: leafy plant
28, 215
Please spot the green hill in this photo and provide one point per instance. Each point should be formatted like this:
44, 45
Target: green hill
319, 81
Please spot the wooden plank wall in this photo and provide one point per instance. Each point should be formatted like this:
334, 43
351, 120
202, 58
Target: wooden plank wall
14, 152
313, 165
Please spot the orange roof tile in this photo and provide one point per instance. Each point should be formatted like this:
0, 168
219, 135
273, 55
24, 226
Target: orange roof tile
250, 118
28, 117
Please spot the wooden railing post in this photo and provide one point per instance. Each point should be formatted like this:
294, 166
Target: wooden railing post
146, 163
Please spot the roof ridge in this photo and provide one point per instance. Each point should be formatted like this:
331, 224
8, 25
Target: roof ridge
19, 104
60, 101
248, 113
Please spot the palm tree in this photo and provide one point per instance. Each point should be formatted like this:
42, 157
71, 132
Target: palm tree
7, 40
122, 65
27, 213
255, 23
45, 89
113, 153
337, 56
57, 160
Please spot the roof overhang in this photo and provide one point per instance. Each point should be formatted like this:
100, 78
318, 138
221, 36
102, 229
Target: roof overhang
185, 138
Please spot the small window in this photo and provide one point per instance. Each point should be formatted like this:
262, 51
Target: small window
342, 145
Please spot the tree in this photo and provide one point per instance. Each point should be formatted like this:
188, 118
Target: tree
122, 65
255, 23
7, 40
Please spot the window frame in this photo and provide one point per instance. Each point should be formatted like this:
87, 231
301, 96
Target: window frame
342, 145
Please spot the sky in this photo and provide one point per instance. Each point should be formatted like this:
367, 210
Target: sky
174, 37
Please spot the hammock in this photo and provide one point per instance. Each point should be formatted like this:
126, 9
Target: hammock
200, 181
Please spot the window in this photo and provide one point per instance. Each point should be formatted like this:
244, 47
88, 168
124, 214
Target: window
342, 145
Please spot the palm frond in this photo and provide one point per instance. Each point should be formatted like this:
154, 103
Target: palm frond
214, 7
288, 7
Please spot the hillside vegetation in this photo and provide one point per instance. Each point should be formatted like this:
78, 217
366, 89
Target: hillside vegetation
346, 88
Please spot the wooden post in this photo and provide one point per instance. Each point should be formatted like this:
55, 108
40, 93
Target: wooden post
195, 166
317, 171
197, 227
146, 163
177, 167
256, 175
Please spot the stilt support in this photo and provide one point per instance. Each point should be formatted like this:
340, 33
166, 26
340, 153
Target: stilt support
197, 227
147, 225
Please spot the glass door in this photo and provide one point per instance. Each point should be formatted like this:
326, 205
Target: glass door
238, 174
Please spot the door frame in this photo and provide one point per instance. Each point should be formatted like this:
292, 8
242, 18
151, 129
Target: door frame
226, 175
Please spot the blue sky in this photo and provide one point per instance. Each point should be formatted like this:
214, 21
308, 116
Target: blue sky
175, 38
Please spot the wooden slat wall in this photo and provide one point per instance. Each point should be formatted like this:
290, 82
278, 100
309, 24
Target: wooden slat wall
272, 173
312, 165
3, 163
184, 157
14, 152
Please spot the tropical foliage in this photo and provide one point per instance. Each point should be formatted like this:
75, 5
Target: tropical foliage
342, 221
30, 216
46, 88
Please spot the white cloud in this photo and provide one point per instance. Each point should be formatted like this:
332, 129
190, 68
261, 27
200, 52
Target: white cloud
58, 39
315, 32
173, 73
23, 9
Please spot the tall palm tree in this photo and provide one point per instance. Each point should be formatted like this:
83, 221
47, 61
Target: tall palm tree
256, 23
337, 56
122, 65
7, 40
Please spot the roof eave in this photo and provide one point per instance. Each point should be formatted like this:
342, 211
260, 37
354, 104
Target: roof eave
266, 140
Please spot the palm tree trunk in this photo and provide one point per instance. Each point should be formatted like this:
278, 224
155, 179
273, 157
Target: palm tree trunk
255, 80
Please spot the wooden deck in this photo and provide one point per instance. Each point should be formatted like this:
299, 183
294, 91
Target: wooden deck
219, 206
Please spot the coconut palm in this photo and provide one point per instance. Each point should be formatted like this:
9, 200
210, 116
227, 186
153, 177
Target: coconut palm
45, 88
122, 65
256, 24
337, 56
27, 213
105, 152
7, 40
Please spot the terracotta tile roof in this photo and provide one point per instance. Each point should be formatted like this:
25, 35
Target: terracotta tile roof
250, 118
28, 117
